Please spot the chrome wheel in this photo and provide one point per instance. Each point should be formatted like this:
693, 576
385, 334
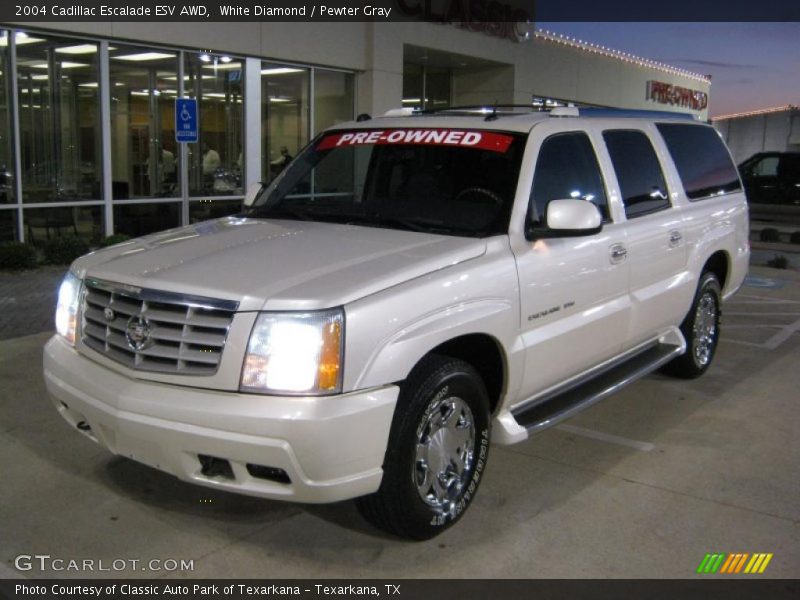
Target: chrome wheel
437, 451
705, 329
445, 453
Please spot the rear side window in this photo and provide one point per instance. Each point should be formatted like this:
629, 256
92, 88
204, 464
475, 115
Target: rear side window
567, 168
639, 174
703, 163
789, 167
766, 167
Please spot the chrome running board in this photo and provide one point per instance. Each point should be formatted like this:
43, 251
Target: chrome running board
562, 403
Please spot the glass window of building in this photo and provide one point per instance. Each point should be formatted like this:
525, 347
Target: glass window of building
284, 115
438, 81
333, 98
215, 163
413, 86
204, 210
43, 224
58, 119
140, 219
145, 157
6, 151
426, 87
8, 225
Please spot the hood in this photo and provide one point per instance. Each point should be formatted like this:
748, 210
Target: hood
277, 264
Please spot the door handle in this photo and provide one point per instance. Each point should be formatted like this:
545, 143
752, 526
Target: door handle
618, 253
675, 237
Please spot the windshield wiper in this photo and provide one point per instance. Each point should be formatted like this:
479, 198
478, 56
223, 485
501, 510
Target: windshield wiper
409, 224
383, 221
281, 213
365, 220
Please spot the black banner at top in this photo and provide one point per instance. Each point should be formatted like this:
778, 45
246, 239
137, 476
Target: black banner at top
445, 11
448, 11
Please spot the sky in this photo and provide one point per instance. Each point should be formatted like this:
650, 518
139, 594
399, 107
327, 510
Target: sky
753, 65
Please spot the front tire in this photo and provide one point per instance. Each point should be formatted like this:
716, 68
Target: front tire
437, 451
700, 328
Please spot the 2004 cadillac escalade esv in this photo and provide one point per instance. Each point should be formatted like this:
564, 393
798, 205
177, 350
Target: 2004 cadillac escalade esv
409, 290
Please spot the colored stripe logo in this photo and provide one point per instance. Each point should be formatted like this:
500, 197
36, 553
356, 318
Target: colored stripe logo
735, 563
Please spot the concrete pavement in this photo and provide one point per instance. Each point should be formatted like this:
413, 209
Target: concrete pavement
642, 485
28, 300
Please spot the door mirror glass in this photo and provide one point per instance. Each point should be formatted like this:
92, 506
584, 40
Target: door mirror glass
253, 190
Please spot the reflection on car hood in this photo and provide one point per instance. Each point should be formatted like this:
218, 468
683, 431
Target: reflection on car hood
277, 264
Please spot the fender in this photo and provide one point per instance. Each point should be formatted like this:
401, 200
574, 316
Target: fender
396, 355
388, 333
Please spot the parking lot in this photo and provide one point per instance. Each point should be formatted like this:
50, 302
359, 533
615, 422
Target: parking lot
644, 484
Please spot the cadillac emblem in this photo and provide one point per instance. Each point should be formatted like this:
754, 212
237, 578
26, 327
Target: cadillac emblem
137, 333
109, 314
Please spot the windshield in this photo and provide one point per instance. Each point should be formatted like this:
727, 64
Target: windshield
448, 181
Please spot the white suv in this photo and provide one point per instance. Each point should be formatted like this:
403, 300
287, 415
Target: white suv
409, 289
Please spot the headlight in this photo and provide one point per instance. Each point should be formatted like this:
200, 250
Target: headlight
67, 308
295, 353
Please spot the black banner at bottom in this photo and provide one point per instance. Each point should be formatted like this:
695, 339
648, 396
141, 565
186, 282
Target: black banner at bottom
443, 589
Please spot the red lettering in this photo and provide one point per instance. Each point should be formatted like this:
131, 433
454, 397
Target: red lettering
481, 140
675, 95
344, 138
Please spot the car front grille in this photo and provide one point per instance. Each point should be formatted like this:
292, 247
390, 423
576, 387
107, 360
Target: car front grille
157, 331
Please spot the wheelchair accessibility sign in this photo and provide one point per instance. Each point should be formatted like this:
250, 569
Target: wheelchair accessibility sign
186, 120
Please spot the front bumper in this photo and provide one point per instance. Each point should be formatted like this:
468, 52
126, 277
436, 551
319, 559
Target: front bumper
331, 448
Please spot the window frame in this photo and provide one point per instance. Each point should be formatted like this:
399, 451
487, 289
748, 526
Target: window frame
704, 196
531, 233
669, 204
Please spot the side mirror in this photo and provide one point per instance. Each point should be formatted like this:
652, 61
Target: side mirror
253, 190
567, 218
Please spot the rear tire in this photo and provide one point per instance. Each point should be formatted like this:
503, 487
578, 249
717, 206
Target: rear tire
437, 451
700, 328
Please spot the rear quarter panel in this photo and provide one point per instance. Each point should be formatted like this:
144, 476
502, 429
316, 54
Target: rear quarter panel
718, 224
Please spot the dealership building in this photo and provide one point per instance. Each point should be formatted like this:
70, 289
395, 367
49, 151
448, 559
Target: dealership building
775, 129
88, 121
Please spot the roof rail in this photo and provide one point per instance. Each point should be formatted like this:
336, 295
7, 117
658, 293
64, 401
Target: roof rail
490, 112
494, 111
405, 111
484, 109
564, 111
624, 113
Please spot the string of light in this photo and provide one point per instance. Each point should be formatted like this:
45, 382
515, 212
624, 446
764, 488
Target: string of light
755, 113
566, 40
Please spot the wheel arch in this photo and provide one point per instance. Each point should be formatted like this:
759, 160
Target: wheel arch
718, 263
485, 354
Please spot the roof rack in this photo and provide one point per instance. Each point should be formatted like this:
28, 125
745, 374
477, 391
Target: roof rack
489, 111
495, 111
484, 109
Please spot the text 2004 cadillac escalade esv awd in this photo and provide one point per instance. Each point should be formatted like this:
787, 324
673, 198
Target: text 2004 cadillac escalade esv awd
408, 290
